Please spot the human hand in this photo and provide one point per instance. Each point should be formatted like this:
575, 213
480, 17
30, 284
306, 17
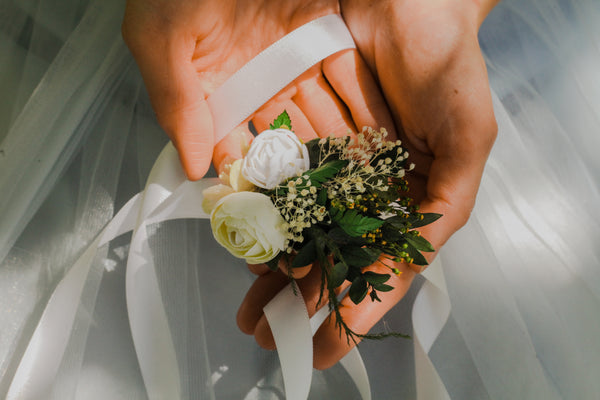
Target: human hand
427, 59
186, 49
428, 62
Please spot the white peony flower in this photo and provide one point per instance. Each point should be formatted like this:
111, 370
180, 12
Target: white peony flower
274, 156
249, 226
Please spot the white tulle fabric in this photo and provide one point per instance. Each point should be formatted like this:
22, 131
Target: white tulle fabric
523, 277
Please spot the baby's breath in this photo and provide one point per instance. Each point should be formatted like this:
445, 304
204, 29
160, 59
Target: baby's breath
296, 200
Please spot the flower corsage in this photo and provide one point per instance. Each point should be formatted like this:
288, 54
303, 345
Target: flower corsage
340, 202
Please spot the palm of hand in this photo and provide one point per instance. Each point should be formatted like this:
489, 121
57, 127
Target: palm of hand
197, 45
428, 62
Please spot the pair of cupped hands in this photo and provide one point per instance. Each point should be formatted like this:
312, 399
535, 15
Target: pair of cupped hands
417, 71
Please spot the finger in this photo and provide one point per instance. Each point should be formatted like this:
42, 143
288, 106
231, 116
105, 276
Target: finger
296, 273
326, 112
330, 344
300, 124
231, 147
452, 187
447, 185
285, 263
178, 99
264, 288
310, 289
351, 79
460, 153
258, 269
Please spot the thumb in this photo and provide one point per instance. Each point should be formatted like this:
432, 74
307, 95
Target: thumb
452, 188
191, 131
177, 98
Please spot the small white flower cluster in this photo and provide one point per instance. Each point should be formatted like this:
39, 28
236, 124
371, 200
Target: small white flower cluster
372, 159
298, 207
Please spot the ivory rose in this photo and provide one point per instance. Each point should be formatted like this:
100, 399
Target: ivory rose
212, 194
249, 226
274, 156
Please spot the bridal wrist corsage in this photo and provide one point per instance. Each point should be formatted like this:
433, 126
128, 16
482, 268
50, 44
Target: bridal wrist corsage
339, 202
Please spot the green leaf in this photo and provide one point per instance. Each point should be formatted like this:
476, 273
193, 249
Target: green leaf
416, 255
382, 287
334, 213
359, 257
273, 264
390, 234
419, 242
325, 172
338, 275
314, 152
358, 290
353, 273
307, 255
355, 224
340, 237
337, 234
428, 218
322, 197
399, 223
282, 119
374, 296
375, 278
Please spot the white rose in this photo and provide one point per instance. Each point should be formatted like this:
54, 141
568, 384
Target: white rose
274, 156
249, 226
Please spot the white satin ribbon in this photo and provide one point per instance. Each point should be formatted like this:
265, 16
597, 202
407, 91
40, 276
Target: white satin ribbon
274, 68
429, 314
288, 318
168, 195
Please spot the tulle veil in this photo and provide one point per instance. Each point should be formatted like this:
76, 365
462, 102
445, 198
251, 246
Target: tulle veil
78, 138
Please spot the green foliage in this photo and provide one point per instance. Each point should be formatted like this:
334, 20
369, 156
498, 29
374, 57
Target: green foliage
355, 224
374, 278
282, 120
314, 152
359, 257
307, 255
358, 290
338, 275
322, 197
325, 172
425, 219
339, 204
415, 255
273, 264
419, 243
340, 238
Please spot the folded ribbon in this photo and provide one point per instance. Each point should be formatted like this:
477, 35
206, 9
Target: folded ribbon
168, 195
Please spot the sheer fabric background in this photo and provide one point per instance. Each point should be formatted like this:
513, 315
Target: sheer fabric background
78, 138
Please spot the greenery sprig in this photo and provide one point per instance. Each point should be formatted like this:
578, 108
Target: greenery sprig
348, 211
